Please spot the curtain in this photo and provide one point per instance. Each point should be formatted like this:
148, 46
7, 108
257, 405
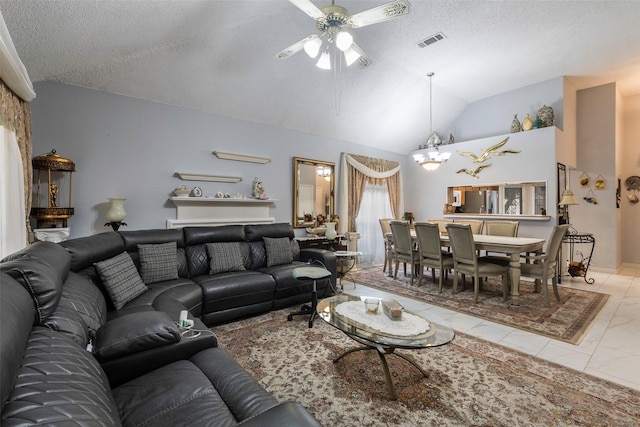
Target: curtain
356, 171
374, 205
15, 147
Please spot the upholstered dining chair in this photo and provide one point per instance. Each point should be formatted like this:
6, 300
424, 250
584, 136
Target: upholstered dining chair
403, 250
442, 224
431, 253
476, 224
465, 260
500, 228
545, 265
388, 243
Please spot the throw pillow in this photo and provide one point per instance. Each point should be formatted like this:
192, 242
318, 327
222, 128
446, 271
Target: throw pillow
224, 257
278, 250
121, 279
158, 262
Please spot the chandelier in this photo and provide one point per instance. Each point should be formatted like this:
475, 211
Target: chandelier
428, 155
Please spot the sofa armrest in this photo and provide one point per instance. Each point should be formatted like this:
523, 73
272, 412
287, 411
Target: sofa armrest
125, 368
283, 414
134, 333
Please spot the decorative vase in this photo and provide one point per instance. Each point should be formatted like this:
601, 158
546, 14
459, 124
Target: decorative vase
537, 123
331, 233
515, 124
527, 123
116, 212
546, 115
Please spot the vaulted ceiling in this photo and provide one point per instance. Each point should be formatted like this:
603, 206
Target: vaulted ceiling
219, 57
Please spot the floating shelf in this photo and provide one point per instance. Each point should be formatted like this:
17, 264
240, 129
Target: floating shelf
241, 157
204, 177
210, 211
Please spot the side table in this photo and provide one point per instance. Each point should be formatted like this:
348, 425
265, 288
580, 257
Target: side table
583, 266
345, 261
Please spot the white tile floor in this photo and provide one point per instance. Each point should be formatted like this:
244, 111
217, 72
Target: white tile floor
610, 349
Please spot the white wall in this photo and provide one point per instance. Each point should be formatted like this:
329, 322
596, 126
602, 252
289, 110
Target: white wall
630, 166
130, 148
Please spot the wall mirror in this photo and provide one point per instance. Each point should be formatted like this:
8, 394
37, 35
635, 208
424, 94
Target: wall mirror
313, 192
514, 198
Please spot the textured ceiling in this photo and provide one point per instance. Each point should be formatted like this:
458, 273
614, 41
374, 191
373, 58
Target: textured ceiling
219, 57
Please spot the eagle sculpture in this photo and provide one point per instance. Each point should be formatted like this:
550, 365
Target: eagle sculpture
475, 172
491, 151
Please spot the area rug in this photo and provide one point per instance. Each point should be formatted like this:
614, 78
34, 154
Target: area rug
567, 321
471, 382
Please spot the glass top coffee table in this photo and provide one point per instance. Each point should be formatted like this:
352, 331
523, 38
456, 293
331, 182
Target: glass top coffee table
381, 333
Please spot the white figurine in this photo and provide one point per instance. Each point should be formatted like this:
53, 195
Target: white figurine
258, 190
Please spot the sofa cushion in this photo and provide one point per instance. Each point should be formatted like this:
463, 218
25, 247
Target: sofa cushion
225, 256
121, 279
59, 383
83, 297
68, 322
135, 333
158, 262
278, 250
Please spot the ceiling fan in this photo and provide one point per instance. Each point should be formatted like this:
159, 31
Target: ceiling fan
333, 22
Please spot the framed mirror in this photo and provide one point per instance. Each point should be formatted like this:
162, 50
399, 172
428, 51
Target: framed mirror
313, 192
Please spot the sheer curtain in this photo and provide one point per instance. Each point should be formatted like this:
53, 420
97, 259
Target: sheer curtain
375, 205
15, 147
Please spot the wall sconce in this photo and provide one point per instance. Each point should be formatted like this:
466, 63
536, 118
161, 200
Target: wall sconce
116, 213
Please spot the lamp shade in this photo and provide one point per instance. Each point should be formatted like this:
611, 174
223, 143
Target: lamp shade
325, 61
312, 47
568, 198
116, 212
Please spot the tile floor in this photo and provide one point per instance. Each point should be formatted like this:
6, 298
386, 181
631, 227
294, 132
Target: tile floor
610, 349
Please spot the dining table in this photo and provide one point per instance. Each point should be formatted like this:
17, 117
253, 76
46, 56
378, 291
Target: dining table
514, 247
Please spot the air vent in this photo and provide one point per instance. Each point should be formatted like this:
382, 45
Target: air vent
431, 40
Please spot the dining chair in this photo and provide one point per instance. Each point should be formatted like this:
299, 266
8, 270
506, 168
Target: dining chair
500, 228
431, 253
403, 250
545, 265
442, 224
388, 243
465, 260
476, 224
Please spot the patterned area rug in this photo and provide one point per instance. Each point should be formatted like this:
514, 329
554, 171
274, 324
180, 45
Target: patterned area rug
567, 321
471, 381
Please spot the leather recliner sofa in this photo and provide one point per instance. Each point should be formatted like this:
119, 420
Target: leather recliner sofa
140, 368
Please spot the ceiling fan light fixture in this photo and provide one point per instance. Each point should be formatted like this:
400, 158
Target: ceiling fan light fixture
325, 61
312, 47
344, 40
351, 56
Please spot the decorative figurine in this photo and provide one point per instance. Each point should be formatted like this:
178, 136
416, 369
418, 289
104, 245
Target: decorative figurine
53, 195
515, 124
258, 191
451, 138
527, 123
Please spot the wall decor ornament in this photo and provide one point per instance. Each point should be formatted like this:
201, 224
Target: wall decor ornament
527, 123
473, 173
584, 180
491, 151
632, 183
590, 198
546, 115
515, 124
600, 183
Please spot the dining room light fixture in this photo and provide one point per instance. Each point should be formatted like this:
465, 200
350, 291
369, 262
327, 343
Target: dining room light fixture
428, 155
324, 172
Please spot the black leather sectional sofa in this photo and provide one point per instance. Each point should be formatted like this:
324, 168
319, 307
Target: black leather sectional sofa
69, 357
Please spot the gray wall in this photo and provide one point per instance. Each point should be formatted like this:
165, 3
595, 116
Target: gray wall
130, 148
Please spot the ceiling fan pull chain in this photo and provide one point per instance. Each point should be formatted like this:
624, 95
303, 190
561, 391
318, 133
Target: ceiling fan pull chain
337, 80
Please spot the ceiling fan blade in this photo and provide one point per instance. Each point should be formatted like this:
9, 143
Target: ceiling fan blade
309, 8
381, 13
364, 61
295, 48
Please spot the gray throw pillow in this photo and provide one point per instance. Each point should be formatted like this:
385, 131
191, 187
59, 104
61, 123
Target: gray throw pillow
121, 279
158, 262
224, 257
278, 250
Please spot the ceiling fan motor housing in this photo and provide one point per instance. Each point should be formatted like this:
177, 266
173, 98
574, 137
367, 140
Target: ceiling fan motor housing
336, 18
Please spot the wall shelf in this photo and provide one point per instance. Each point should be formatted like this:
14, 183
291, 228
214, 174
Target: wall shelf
241, 157
205, 177
490, 217
209, 211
